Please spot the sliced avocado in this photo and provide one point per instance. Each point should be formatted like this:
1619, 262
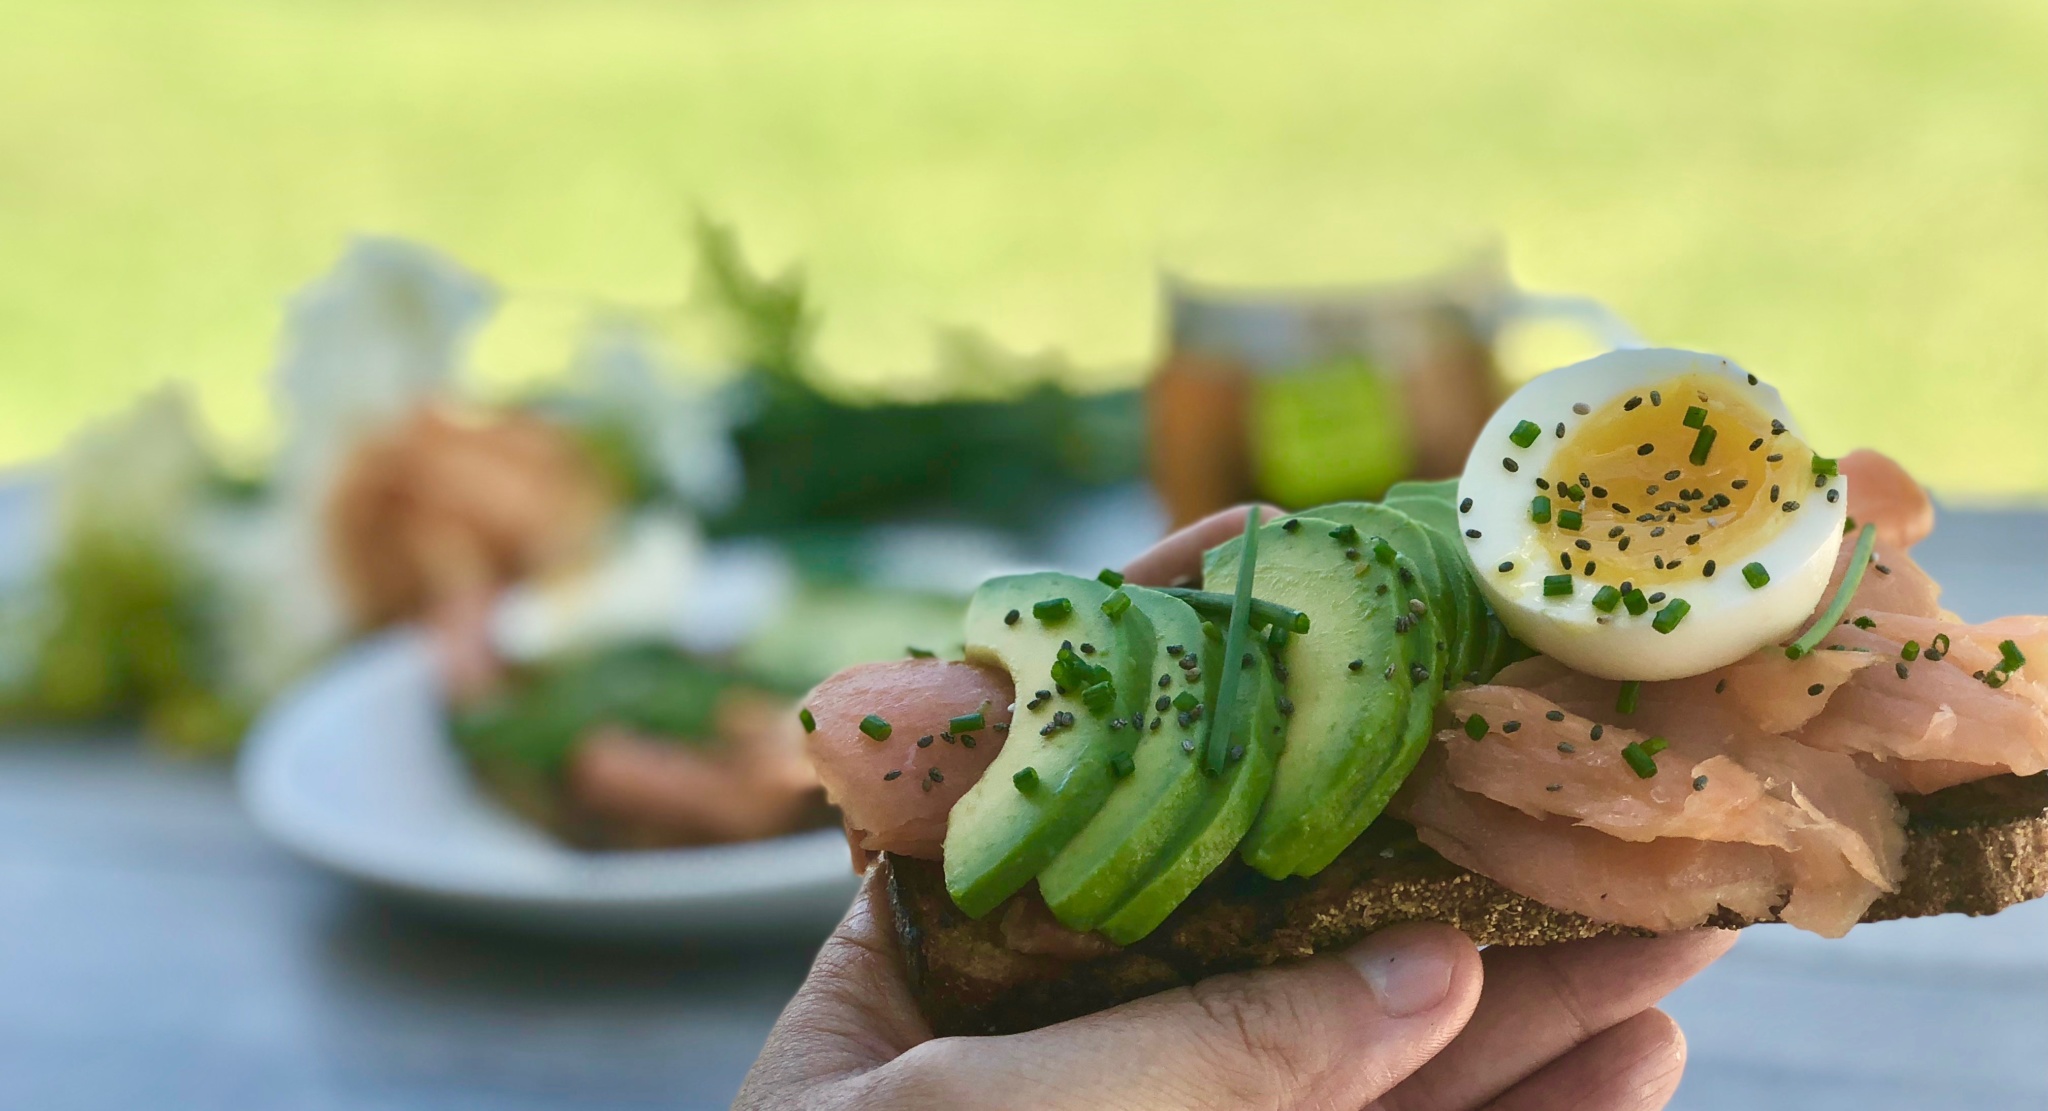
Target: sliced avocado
1422, 639
1011, 823
1105, 861
1347, 725
1432, 504
1447, 593
1226, 807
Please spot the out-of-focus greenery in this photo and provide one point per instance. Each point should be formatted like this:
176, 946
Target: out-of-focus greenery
1014, 447
1845, 194
650, 688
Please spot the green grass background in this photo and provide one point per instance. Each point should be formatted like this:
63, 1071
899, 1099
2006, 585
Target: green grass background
1850, 197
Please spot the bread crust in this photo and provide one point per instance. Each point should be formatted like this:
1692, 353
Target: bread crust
1973, 849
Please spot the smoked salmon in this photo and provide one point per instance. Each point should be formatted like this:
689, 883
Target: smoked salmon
896, 789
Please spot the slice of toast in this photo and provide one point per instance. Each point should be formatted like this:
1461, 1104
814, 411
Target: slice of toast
1973, 849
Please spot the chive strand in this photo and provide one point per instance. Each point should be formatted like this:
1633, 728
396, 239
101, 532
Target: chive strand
1264, 614
1866, 543
1233, 647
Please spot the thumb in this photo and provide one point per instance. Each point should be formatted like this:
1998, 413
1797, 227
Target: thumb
1331, 1032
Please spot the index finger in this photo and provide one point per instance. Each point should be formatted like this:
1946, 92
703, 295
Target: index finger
1177, 560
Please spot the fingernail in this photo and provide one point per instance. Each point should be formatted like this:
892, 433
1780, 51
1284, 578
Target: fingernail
1408, 969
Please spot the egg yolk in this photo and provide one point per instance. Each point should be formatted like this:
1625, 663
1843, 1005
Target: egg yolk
1669, 485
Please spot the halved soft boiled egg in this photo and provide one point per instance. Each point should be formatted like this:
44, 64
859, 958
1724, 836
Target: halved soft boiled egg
1650, 514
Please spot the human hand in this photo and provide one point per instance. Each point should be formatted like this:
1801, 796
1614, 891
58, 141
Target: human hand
1399, 1022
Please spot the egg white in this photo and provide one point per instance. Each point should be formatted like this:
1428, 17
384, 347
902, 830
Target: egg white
1728, 619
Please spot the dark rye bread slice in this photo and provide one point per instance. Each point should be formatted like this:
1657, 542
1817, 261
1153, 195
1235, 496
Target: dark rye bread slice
1973, 849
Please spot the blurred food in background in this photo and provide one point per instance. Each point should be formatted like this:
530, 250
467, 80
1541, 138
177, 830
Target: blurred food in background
1304, 397
627, 575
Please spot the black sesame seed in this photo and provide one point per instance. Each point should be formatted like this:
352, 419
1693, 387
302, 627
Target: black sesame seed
1789, 506
1756, 443
1566, 747
1465, 506
1560, 430
1656, 398
1672, 475
936, 775
1774, 457
1555, 787
1615, 531
1473, 533
1510, 726
1699, 783
1630, 405
1834, 496
1581, 408
1708, 570
1646, 449
897, 774
1511, 465
1583, 544
1596, 731
1720, 686
1693, 539
1554, 715
1901, 669
1565, 558
1599, 491
1815, 689
1656, 598
1774, 493
1738, 484
1356, 665
1542, 484
1506, 565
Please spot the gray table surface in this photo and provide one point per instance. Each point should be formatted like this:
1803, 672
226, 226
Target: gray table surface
156, 953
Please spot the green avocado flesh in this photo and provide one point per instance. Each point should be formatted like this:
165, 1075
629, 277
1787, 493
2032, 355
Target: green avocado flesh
1224, 812
1147, 809
1434, 506
1002, 832
1347, 726
1446, 595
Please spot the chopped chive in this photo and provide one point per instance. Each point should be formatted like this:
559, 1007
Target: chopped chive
1570, 519
1668, 618
1185, 700
1910, 650
1625, 700
1525, 433
1825, 467
874, 726
1639, 760
1695, 417
1866, 542
967, 723
1264, 614
1345, 533
1864, 622
917, 653
2010, 658
1116, 603
1702, 444
1938, 647
1475, 727
1384, 554
1026, 780
1655, 745
1755, 575
1099, 696
1539, 509
810, 723
1120, 765
1557, 586
1606, 598
1634, 602
1109, 578
1052, 610
1276, 637
1234, 645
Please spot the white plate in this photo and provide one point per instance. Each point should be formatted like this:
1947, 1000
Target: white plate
354, 770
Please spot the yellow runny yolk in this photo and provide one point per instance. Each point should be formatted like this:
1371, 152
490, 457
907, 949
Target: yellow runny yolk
1645, 512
